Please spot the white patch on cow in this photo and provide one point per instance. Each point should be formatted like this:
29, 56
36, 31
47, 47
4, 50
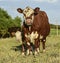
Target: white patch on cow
36, 35
28, 43
38, 50
23, 54
33, 36
31, 52
44, 40
18, 36
41, 37
35, 52
28, 52
28, 11
32, 18
26, 35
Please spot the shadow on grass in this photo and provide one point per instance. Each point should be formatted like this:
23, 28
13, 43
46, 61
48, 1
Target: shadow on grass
17, 48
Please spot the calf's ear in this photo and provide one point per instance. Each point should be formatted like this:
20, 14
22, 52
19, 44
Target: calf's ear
37, 9
20, 10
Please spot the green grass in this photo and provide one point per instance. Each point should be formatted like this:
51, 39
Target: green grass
10, 52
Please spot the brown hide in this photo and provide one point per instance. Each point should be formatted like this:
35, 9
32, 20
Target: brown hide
25, 30
41, 24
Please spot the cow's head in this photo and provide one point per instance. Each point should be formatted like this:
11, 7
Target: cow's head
28, 14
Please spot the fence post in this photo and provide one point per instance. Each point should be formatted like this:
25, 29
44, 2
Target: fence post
56, 28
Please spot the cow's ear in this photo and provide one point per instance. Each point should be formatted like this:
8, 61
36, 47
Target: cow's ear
20, 10
37, 9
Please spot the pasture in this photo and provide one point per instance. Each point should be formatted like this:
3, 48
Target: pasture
10, 51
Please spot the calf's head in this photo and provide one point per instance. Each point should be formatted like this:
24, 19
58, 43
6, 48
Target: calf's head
28, 14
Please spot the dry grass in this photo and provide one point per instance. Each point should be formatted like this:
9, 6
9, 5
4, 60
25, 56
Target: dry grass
11, 53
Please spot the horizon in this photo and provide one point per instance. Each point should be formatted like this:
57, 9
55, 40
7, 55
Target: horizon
51, 7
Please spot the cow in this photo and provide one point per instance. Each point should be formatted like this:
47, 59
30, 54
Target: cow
13, 30
35, 27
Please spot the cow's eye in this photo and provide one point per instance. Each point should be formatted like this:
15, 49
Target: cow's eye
25, 11
31, 14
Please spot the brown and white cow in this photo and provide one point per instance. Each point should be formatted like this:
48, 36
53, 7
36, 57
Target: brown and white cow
35, 27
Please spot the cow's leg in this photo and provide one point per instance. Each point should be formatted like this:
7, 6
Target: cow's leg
43, 44
28, 45
23, 49
38, 48
37, 44
29, 49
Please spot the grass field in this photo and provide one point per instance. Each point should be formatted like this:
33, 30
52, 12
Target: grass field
11, 53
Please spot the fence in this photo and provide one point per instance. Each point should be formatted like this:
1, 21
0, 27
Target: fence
55, 32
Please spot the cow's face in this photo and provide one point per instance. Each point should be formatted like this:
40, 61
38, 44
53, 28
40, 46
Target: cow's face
28, 15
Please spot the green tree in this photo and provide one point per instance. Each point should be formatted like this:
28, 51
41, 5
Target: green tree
17, 21
6, 21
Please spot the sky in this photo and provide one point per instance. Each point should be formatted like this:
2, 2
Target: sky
51, 7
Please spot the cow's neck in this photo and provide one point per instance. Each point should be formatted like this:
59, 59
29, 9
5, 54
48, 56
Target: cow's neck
30, 28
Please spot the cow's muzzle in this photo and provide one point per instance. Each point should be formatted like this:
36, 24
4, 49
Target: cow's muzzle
28, 21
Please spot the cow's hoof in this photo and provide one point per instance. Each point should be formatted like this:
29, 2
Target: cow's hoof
44, 50
36, 52
23, 54
30, 52
27, 52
